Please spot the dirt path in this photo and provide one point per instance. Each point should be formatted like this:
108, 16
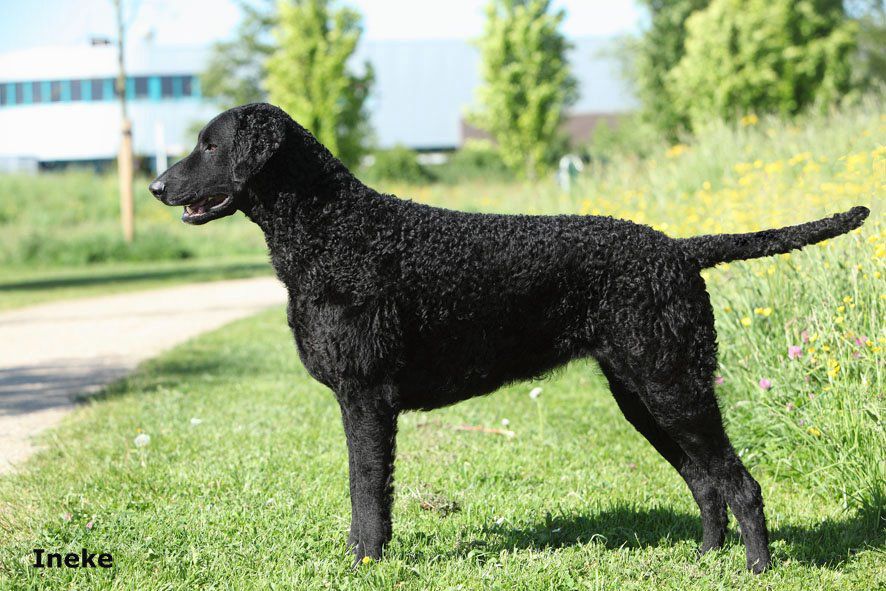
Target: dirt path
52, 352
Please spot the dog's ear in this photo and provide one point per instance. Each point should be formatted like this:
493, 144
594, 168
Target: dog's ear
260, 133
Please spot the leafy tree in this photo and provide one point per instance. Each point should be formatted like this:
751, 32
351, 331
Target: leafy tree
871, 60
527, 83
656, 53
308, 75
779, 56
236, 70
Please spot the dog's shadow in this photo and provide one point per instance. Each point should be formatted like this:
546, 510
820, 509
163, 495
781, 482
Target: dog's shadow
828, 543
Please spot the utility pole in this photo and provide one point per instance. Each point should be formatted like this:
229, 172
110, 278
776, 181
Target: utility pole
124, 158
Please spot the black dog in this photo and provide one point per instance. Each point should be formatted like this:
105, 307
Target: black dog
398, 306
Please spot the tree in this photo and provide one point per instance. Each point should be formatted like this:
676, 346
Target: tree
527, 84
763, 56
870, 66
236, 71
308, 77
655, 54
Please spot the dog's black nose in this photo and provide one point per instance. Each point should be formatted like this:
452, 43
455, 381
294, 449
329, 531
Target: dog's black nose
157, 188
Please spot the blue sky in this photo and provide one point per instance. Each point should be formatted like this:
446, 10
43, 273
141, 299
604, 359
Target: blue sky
186, 22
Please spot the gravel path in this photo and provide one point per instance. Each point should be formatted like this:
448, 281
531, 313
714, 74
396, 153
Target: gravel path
52, 352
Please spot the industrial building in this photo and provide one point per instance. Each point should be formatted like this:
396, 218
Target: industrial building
58, 105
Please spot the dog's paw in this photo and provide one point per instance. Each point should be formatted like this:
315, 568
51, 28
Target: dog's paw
758, 565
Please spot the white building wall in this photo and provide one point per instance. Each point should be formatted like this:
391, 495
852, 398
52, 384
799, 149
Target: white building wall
87, 131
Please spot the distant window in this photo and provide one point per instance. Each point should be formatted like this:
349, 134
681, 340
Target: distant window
76, 90
36, 92
186, 85
97, 86
20, 93
2, 94
141, 86
166, 86
55, 91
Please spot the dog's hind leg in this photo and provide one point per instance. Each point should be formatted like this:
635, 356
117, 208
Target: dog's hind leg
710, 501
688, 412
371, 430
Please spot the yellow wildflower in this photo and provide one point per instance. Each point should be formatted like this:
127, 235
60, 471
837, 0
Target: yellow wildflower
676, 151
834, 370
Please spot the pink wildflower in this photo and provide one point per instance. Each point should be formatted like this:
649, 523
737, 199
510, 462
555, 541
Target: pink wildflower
795, 351
765, 383
804, 336
719, 380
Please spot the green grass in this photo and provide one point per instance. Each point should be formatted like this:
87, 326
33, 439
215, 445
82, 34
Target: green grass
255, 497
72, 219
60, 238
25, 287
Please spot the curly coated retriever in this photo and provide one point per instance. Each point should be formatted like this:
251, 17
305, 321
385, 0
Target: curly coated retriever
398, 306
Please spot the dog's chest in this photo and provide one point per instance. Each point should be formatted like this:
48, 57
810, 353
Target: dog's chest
341, 344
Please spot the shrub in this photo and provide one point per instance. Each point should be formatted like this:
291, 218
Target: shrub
397, 164
477, 159
633, 136
85, 246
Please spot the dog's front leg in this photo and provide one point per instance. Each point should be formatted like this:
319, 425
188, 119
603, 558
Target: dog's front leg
371, 429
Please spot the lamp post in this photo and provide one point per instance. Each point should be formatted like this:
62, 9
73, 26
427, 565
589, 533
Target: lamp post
124, 158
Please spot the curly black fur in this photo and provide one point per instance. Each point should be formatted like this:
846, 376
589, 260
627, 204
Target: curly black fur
398, 306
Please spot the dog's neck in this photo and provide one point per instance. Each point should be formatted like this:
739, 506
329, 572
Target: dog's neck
301, 180
312, 208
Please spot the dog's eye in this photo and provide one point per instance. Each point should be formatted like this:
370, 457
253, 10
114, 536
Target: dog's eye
210, 148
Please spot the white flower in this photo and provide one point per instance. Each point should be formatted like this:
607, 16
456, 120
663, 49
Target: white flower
142, 439
505, 422
535, 393
196, 421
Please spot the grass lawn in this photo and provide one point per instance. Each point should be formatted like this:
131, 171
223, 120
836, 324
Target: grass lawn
255, 495
24, 287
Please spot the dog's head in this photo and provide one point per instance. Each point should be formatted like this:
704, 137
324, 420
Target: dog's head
231, 150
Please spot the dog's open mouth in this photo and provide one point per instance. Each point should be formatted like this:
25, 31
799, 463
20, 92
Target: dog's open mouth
206, 209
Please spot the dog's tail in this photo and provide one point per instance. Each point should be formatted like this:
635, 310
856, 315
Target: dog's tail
722, 248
